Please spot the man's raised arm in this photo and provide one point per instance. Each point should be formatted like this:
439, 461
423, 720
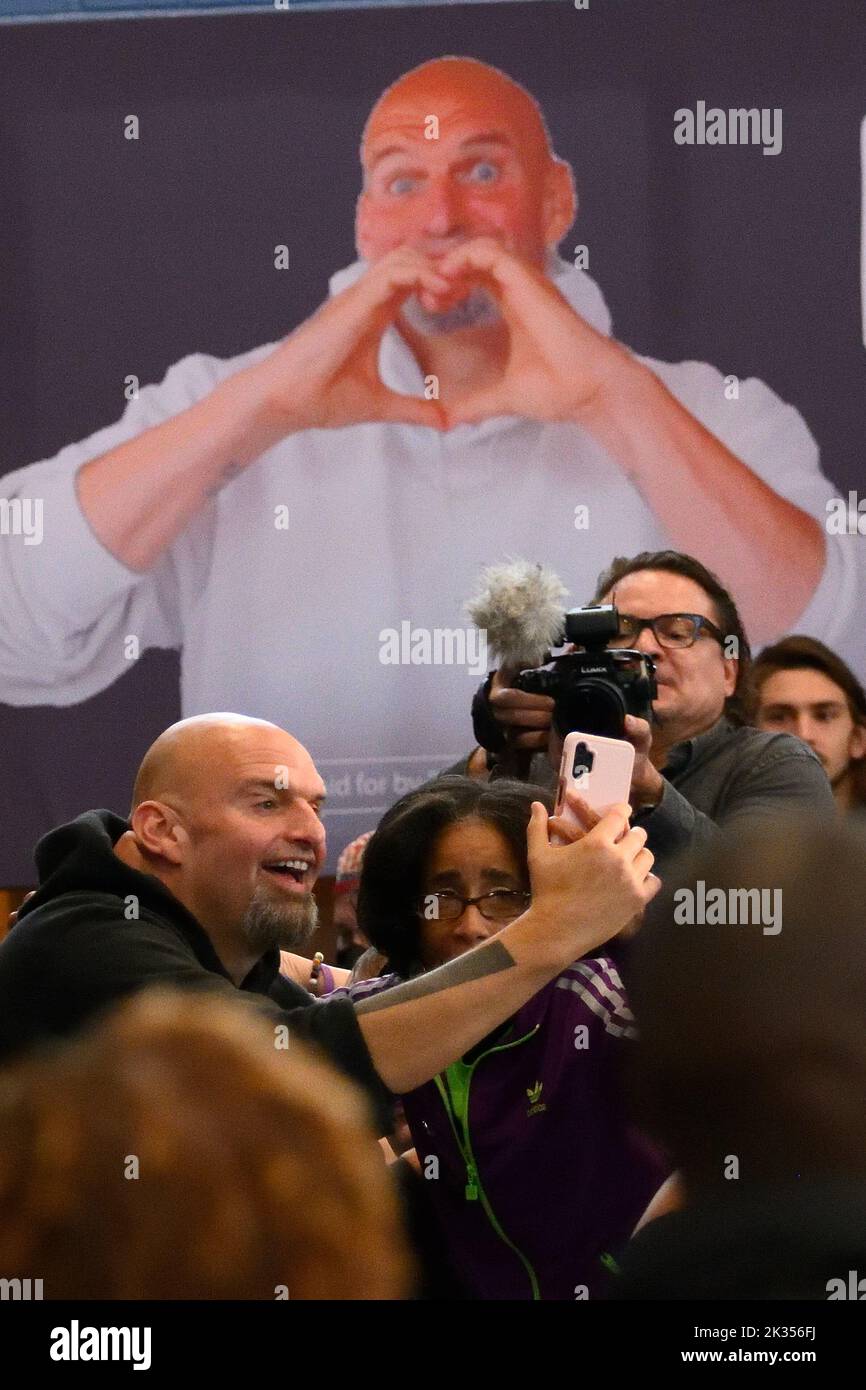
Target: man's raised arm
583, 894
140, 496
708, 500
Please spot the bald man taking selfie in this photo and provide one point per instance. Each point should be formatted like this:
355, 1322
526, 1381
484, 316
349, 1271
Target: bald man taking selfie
213, 874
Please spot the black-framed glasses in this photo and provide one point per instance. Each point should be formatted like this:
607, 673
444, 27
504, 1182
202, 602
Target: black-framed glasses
669, 629
499, 905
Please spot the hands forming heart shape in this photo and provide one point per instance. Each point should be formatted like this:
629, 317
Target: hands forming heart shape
552, 364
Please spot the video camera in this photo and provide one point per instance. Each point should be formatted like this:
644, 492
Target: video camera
593, 689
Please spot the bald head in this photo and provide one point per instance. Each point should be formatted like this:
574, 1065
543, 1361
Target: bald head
183, 764
226, 814
459, 89
452, 151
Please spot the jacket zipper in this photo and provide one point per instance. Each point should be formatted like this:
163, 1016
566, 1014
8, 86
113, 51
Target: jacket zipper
473, 1190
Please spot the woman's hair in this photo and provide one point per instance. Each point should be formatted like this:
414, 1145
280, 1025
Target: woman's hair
396, 856
176, 1152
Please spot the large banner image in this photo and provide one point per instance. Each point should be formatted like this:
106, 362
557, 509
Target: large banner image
309, 353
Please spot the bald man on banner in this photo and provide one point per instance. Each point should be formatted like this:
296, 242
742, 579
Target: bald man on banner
458, 398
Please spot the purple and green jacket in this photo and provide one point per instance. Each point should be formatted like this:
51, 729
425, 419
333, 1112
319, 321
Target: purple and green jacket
532, 1168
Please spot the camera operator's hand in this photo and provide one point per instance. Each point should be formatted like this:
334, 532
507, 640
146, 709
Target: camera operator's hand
647, 783
524, 718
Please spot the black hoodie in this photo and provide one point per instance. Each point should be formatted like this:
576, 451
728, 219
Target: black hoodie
97, 930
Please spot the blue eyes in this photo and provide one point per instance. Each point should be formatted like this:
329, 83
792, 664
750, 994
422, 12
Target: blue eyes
482, 172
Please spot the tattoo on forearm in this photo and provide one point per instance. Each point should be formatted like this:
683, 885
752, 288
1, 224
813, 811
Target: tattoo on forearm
487, 960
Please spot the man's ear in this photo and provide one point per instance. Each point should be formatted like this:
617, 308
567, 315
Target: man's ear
364, 216
732, 670
559, 205
158, 830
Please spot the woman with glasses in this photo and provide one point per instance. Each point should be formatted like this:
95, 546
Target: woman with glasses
535, 1177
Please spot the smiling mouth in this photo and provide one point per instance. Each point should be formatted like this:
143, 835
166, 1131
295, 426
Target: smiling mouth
289, 871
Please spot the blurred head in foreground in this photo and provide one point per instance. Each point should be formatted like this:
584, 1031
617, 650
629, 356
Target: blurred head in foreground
175, 1153
753, 1042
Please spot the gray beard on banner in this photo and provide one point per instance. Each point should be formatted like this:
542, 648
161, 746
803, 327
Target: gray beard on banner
289, 926
478, 310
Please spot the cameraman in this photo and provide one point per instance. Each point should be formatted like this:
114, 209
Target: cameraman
699, 765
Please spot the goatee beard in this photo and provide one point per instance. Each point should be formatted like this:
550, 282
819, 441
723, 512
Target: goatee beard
478, 310
288, 926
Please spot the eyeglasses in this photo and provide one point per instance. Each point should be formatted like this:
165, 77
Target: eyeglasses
669, 629
499, 905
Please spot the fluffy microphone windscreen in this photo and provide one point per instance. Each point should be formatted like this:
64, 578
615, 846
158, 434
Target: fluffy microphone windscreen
520, 606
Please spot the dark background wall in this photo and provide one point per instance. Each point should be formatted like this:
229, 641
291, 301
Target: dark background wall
121, 256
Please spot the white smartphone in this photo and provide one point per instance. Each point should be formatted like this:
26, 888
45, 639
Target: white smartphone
598, 769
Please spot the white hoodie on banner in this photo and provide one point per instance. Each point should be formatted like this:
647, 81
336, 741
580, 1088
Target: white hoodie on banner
388, 525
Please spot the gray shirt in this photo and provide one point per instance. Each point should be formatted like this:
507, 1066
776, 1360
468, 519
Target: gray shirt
724, 777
